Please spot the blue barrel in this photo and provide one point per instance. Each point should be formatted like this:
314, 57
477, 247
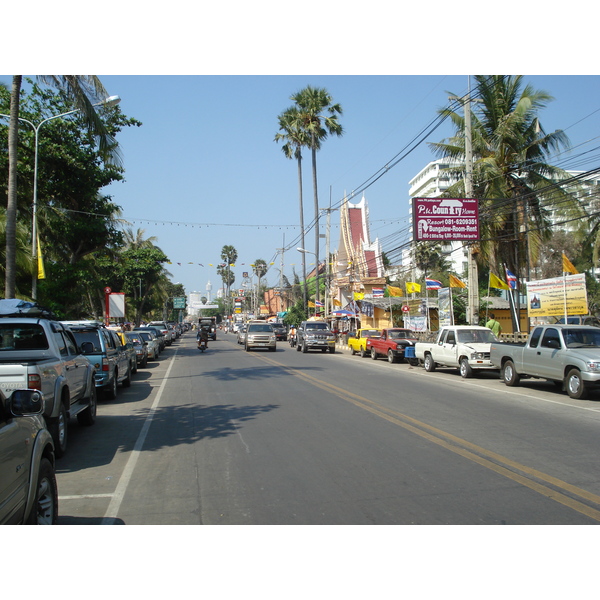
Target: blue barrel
409, 352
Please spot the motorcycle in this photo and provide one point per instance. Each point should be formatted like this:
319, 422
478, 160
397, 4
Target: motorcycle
292, 340
202, 345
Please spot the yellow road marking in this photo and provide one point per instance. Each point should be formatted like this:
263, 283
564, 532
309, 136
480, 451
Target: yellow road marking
491, 460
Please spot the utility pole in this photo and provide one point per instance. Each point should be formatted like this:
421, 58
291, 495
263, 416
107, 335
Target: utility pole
473, 288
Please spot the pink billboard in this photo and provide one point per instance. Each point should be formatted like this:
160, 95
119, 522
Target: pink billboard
445, 219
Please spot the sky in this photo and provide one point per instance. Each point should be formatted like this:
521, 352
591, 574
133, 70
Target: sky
204, 171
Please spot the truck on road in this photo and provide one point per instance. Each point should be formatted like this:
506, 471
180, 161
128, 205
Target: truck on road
358, 342
392, 343
462, 347
568, 355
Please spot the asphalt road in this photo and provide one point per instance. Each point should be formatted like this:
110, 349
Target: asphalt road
230, 437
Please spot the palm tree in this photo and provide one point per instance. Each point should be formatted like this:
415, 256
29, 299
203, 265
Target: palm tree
511, 175
83, 90
229, 256
137, 240
311, 103
295, 138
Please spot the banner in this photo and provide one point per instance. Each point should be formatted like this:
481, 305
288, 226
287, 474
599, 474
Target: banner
445, 307
40, 260
557, 297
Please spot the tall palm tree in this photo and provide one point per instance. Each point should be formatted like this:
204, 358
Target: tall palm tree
291, 132
136, 240
260, 270
83, 90
229, 256
511, 173
312, 102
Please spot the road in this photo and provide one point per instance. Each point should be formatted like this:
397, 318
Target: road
234, 437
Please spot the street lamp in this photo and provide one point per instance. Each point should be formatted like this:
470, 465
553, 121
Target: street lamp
110, 101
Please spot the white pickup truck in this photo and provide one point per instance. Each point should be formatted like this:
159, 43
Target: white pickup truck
569, 355
37, 352
463, 347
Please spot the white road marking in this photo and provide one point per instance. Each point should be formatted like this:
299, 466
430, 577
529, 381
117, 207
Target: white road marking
113, 508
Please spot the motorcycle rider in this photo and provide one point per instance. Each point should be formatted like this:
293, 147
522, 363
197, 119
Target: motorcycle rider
202, 336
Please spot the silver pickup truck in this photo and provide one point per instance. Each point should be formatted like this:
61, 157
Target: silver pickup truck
37, 352
569, 355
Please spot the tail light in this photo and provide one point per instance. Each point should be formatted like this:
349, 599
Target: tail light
105, 364
34, 382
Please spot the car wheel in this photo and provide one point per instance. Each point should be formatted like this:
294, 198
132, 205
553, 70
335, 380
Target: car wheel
127, 380
110, 391
332, 350
413, 362
58, 430
247, 348
509, 374
304, 348
272, 349
298, 347
373, 354
429, 363
575, 385
352, 351
45, 507
363, 352
391, 357
88, 416
465, 369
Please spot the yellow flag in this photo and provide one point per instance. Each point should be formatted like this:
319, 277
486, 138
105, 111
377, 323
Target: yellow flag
358, 295
497, 283
40, 261
568, 266
394, 291
456, 282
311, 304
336, 302
411, 288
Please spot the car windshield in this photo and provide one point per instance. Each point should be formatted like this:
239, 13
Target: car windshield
582, 338
136, 339
260, 327
317, 326
476, 336
371, 333
401, 335
22, 336
146, 336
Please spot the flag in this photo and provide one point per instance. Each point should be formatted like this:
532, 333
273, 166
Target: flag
511, 279
377, 292
319, 303
456, 282
41, 271
395, 291
411, 288
497, 283
358, 295
433, 284
336, 302
311, 304
568, 266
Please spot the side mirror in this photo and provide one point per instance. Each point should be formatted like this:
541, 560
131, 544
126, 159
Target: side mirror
555, 344
25, 403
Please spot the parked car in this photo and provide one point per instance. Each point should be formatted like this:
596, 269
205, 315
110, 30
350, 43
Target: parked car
392, 343
241, 334
106, 353
152, 343
260, 334
37, 352
358, 341
158, 331
28, 490
315, 335
566, 354
280, 331
129, 349
580, 320
166, 331
140, 348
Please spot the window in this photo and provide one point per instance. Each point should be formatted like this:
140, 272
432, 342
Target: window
551, 339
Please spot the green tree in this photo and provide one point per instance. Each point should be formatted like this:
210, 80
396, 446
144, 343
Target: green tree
228, 256
82, 91
511, 172
311, 103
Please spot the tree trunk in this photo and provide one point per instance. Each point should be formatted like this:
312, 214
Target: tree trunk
11, 204
316, 198
304, 287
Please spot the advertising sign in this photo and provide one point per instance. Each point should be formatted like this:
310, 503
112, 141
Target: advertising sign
557, 296
445, 219
116, 305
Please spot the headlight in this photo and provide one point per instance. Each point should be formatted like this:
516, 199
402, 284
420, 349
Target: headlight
593, 365
477, 356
